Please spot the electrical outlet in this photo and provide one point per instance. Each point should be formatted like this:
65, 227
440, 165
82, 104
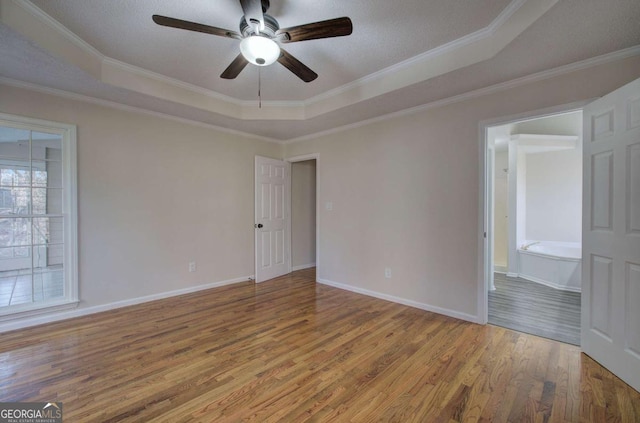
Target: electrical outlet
328, 206
192, 266
387, 272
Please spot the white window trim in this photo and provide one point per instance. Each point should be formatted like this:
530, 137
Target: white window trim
70, 211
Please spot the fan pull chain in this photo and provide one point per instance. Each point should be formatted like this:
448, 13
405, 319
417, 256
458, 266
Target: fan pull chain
259, 88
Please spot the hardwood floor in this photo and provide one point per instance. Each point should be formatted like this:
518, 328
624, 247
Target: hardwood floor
533, 308
290, 350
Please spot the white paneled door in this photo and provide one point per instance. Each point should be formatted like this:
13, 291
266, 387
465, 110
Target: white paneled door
272, 220
611, 233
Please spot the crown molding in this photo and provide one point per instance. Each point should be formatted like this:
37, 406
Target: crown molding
539, 76
119, 106
426, 56
547, 74
63, 30
30, 21
465, 51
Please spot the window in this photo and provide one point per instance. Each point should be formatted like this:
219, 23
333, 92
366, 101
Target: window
38, 216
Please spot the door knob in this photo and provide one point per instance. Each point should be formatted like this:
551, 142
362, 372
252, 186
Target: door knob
259, 225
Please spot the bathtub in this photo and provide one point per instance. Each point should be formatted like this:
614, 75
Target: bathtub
554, 264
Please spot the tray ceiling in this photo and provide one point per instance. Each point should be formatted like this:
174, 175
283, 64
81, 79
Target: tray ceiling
400, 55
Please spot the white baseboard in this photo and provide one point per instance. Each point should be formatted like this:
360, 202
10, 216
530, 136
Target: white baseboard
512, 275
403, 301
500, 269
550, 284
54, 317
302, 266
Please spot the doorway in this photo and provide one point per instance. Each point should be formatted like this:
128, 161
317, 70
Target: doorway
304, 212
534, 172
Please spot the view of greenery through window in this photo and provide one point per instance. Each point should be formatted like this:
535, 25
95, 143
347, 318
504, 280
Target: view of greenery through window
16, 198
31, 217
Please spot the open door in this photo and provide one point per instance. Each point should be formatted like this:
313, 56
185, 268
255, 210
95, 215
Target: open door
272, 220
611, 233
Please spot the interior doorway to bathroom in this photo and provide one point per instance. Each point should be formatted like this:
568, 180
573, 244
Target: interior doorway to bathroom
535, 225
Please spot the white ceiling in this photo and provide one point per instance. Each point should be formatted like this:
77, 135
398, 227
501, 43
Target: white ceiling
400, 55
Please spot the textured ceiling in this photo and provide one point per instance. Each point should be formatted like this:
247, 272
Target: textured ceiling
385, 34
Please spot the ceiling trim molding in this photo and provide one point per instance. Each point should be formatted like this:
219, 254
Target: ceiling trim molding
64, 31
546, 74
30, 21
126, 67
428, 55
472, 48
124, 75
124, 107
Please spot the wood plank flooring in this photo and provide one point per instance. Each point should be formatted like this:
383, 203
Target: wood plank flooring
537, 309
291, 350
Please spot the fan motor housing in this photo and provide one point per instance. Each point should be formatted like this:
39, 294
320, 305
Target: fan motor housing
270, 27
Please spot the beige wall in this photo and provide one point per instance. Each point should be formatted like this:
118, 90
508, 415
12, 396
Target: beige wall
303, 213
554, 196
405, 192
153, 194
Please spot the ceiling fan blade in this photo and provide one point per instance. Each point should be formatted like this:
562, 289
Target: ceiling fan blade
338, 27
234, 69
297, 67
193, 26
253, 13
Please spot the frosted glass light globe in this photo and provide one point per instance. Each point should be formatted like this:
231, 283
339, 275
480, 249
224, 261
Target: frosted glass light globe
260, 51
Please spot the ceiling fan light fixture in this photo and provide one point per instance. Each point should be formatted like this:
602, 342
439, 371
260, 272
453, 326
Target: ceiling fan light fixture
260, 51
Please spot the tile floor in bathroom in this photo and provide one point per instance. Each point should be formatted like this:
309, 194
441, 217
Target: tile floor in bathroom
534, 308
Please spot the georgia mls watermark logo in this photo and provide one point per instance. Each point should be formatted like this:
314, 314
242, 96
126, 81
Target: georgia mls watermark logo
30, 412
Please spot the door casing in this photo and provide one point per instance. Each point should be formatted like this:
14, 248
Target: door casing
485, 218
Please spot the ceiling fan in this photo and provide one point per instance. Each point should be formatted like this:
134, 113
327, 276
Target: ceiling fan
261, 36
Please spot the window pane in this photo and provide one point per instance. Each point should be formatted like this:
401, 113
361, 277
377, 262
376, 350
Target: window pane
21, 177
47, 163
6, 253
48, 230
16, 175
15, 232
32, 229
15, 201
47, 201
46, 146
14, 143
55, 255
23, 292
20, 252
6, 201
48, 284
6, 288
54, 201
39, 176
6, 177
